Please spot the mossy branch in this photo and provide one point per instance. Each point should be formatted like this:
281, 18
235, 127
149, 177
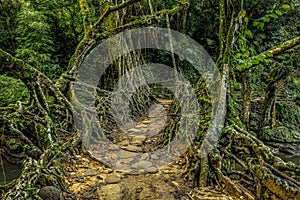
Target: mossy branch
110, 10
85, 16
281, 48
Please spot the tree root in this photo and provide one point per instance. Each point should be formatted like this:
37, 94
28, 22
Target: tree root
254, 157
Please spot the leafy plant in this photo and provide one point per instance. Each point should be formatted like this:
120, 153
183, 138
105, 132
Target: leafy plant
11, 91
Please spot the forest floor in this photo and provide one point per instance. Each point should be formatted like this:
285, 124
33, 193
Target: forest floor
87, 178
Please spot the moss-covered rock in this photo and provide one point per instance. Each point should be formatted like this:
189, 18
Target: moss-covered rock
280, 134
50, 193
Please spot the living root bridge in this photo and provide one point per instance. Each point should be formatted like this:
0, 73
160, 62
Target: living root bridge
254, 165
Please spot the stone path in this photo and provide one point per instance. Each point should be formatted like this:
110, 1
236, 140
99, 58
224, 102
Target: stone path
133, 173
88, 179
134, 149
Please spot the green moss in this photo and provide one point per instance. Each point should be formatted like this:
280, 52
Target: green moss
280, 134
288, 115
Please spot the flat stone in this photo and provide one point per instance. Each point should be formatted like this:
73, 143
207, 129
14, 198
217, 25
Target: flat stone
138, 140
132, 148
89, 172
109, 192
85, 160
141, 126
152, 170
143, 164
123, 143
112, 178
145, 156
122, 166
126, 154
114, 147
134, 130
146, 121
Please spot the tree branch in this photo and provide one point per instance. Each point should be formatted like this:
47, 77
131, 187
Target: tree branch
88, 42
16, 67
111, 9
140, 22
274, 51
85, 15
29, 75
284, 46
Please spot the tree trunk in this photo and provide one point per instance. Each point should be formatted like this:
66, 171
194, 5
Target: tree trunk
246, 100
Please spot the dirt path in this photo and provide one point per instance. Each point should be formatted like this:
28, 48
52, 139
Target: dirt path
87, 178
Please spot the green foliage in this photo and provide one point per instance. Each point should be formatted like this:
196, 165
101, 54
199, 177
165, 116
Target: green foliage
35, 42
11, 90
293, 94
274, 13
8, 15
48, 32
288, 114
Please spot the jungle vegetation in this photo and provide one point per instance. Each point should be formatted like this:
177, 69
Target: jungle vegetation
255, 46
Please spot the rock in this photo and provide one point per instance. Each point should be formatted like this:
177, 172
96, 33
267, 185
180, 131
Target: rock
132, 148
147, 121
138, 140
109, 192
141, 126
85, 160
152, 170
114, 147
112, 178
90, 172
126, 154
134, 130
139, 189
120, 165
145, 156
155, 157
143, 164
107, 171
50, 193
123, 143
175, 183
